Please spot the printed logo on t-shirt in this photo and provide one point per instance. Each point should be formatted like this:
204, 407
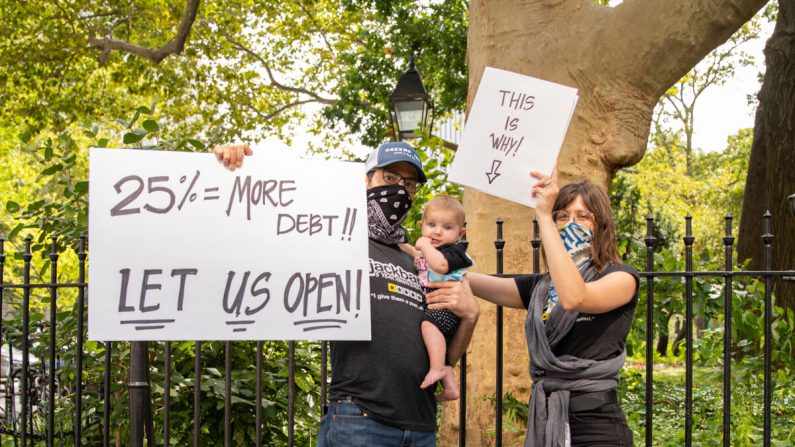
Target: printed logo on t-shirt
585, 319
396, 293
391, 272
392, 283
405, 292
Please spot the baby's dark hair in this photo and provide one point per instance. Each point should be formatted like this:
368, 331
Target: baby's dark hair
447, 203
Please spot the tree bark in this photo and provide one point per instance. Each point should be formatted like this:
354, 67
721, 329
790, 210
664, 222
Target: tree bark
622, 60
663, 337
662, 344
771, 171
749, 244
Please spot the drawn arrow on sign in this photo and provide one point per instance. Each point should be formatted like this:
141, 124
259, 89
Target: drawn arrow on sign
494, 174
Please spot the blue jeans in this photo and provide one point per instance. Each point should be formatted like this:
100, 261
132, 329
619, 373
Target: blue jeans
346, 425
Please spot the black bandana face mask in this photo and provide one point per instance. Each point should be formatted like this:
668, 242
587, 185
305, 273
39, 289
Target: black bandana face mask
387, 207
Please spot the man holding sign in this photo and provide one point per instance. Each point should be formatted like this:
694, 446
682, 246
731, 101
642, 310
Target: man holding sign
375, 396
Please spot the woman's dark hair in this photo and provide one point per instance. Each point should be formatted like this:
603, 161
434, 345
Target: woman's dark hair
603, 243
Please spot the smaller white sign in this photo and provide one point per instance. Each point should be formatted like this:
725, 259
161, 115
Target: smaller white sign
516, 125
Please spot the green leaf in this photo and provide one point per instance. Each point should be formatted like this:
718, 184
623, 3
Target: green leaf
134, 119
25, 136
16, 230
143, 110
12, 207
130, 138
81, 187
52, 169
236, 399
197, 144
102, 142
150, 125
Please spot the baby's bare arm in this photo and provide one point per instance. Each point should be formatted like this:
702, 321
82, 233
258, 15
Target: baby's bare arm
435, 259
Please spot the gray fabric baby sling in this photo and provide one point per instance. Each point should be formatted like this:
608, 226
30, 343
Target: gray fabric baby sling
555, 377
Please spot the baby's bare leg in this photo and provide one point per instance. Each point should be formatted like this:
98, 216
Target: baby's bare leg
450, 391
437, 348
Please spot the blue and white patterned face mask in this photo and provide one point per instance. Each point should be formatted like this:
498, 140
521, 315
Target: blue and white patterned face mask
577, 241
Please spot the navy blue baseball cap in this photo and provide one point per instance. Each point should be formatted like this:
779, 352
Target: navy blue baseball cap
394, 152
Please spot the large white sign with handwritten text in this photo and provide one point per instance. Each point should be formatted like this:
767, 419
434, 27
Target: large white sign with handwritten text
183, 249
516, 125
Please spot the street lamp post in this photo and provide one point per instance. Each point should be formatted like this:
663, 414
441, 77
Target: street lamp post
410, 106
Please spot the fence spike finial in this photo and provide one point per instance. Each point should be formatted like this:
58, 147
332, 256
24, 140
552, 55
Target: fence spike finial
650, 240
728, 239
499, 242
81, 251
689, 239
767, 238
54, 248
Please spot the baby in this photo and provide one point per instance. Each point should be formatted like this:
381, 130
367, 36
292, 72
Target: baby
441, 258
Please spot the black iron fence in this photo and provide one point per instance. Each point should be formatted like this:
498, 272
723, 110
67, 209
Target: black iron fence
33, 388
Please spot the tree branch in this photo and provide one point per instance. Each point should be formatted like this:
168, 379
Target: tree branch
317, 24
173, 46
272, 79
281, 109
675, 35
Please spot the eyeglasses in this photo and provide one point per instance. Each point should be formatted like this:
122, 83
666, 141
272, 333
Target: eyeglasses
392, 177
563, 217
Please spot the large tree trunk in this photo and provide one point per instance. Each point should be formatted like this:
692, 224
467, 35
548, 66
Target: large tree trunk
622, 60
771, 171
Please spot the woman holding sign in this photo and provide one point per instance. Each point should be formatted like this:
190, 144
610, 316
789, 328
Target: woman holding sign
579, 315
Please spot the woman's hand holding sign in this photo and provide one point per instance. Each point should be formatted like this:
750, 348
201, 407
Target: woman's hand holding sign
545, 191
455, 296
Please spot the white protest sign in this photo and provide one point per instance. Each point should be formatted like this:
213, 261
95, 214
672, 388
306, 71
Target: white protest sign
516, 125
183, 249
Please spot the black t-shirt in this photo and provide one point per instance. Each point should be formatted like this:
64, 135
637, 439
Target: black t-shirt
383, 376
593, 336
